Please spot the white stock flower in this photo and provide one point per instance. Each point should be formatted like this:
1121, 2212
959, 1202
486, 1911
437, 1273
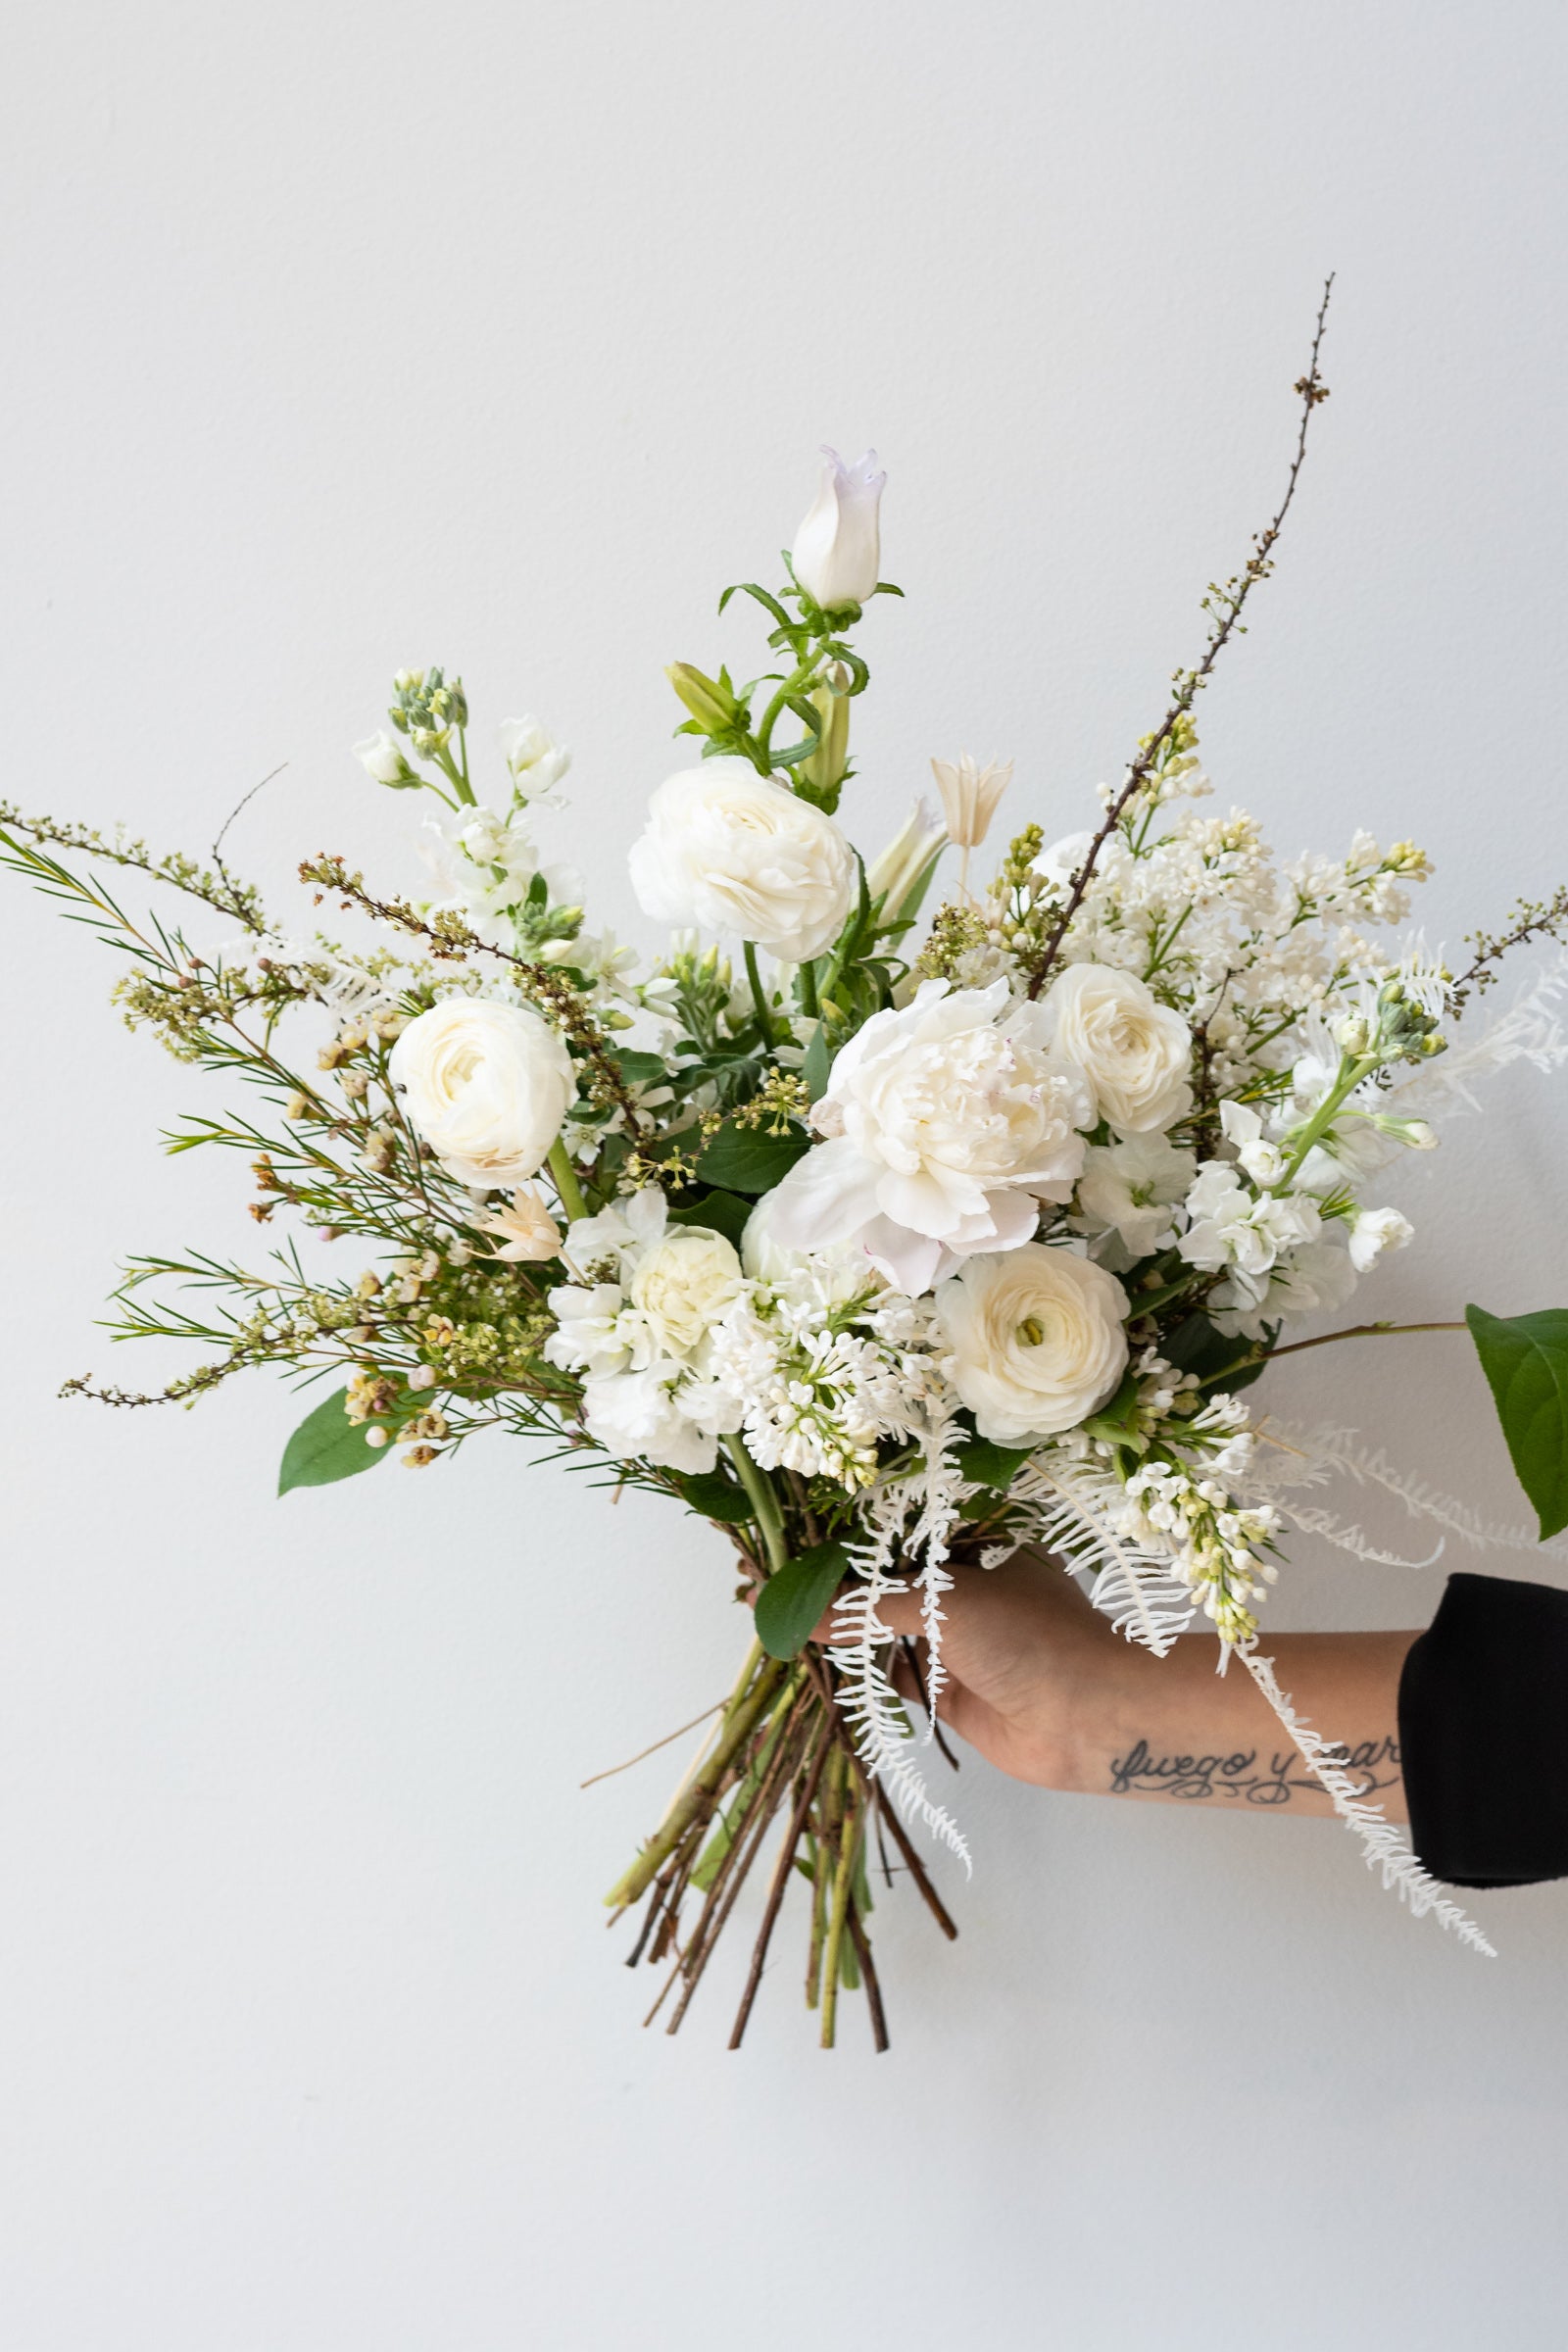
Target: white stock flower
526, 1232
1134, 1051
621, 1235
537, 765
1376, 1230
1315, 1278
596, 1332
904, 859
969, 796
1130, 1189
1234, 1230
949, 1121
836, 551
1262, 1159
381, 756
1037, 1340
486, 1086
729, 849
684, 1285
638, 1413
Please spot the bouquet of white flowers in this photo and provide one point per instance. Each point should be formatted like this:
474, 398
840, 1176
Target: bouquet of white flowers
885, 1253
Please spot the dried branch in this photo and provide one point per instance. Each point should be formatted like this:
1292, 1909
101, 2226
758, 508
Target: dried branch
1224, 604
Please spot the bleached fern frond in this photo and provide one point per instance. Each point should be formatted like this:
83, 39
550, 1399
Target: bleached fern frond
1386, 1848
878, 1724
1528, 1030
1287, 1457
1308, 1520
1068, 1509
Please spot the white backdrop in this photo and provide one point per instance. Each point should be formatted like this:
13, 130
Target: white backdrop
348, 336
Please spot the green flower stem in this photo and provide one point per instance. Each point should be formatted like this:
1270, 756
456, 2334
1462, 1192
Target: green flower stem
1352, 1073
566, 1181
832, 1956
811, 1005
800, 682
765, 1017
763, 1501
692, 1804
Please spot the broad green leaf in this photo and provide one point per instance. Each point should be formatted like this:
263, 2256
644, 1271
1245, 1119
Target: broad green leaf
794, 1596
986, 1464
818, 1062
721, 1212
744, 1159
1194, 1346
641, 1069
1525, 1359
715, 1495
326, 1446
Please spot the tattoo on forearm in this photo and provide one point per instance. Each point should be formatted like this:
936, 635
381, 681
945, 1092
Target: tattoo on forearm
1249, 1776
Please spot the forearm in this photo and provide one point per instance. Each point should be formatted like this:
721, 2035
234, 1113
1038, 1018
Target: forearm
1172, 1730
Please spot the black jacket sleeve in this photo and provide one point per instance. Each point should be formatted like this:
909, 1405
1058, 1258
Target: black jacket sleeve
1484, 1733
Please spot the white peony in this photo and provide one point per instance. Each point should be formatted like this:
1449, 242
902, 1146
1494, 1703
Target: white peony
1037, 1340
949, 1121
839, 1273
684, 1285
838, 547
486, 1086
1130, 1189
1135, 1051
729, 849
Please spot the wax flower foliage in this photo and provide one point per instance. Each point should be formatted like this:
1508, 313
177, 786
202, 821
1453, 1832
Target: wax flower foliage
886, 1247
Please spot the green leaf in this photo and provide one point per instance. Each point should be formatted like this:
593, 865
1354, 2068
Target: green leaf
642, 1069
818, 1062
326, 1446
794, 1596
715, 1496
720, 1212
1194, 1346
986, 1464
1525, 1359
742, 1159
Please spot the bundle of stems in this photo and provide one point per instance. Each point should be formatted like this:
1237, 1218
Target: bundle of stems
780, 1748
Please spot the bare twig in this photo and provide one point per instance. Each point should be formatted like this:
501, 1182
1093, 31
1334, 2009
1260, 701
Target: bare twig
1225, 605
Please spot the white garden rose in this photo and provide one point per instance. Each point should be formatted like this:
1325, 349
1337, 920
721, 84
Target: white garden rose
486, 1086
727, 849
949, 1122
684, 1285
1037, 1340
1135, 1051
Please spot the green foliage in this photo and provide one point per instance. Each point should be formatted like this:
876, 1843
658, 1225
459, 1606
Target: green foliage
740, 1161
987, 1464
1194, 1346
1525, 1359
326, 1446
715, 1497
721, 1212
794, 1598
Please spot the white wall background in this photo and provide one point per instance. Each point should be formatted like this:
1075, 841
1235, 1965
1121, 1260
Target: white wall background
343, 338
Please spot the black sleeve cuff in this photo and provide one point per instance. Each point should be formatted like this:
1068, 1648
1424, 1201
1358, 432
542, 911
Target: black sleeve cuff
1484, 1733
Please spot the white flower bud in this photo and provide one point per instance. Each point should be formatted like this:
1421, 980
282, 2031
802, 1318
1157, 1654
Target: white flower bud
836, 552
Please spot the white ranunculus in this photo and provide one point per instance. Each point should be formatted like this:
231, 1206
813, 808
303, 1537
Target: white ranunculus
1135, 1051
729, 849
486, 1086
684, 1285
633, 1413
949, 1121
1130, 1189
1037, 1340
838, 550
